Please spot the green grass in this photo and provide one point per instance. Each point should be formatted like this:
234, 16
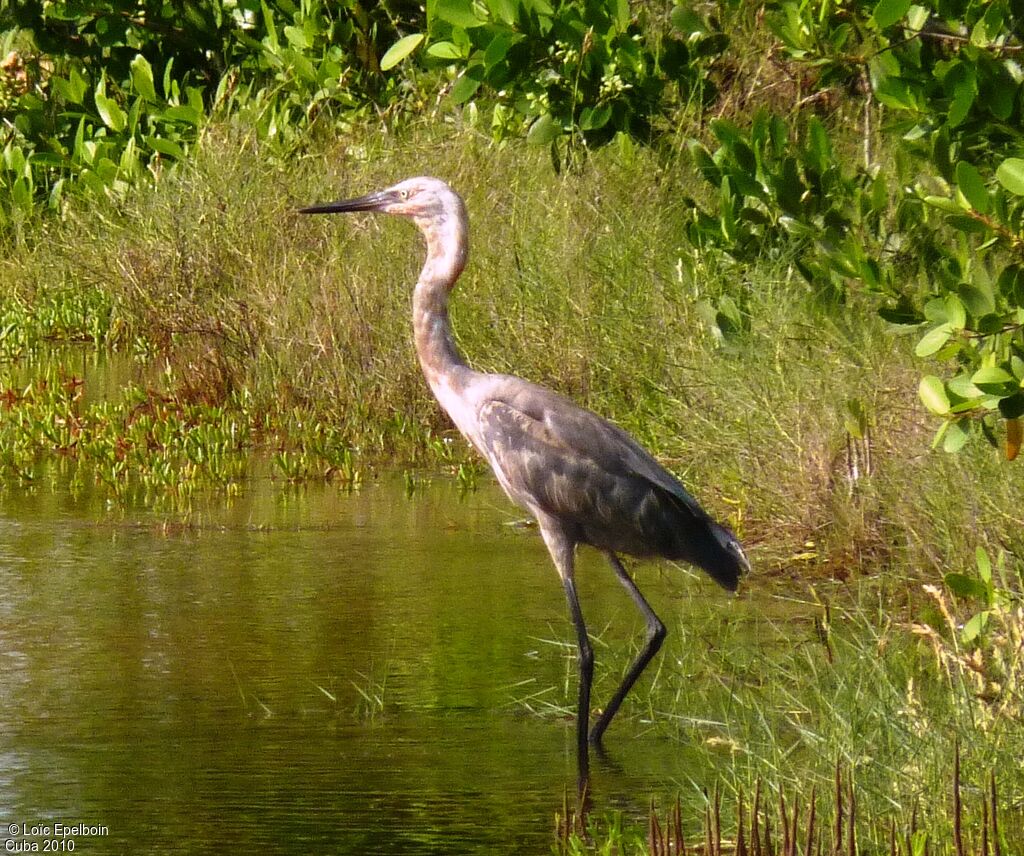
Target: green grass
777, 696
583, 282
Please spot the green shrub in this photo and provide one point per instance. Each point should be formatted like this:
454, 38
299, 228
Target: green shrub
94, 94
938, 238
569, 73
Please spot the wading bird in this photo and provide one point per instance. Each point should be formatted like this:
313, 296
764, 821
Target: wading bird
585, 480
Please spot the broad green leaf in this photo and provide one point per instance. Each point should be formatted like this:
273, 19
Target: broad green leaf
965, 90
967, 223
728, 134
879, 193
961, 385
819, 148
989, 323
296, 37
745, 157
1011, 283
988, 27
545, 130
268, 22
621, 15
968, 587
943, 204
301, 66
540, 7
503, 10
979, 35
727, 214
789, 188
894, 91
594, 118
166, 147
498, 49
974, 626
956, 437
106, 169
686, 21
183, 113
728, 318
400, 50
72, 88
933, 395
50, 160
14, 159
984, 565
468, 83
110, 112
457, 12
1010, 175
972, 186
933, 340
888, 12
903, 312
979, 300
917, 17
445, 50
855, 418
130, 158
956, 314
995, 381
937, 310
704, 162
21, 192
1000, 93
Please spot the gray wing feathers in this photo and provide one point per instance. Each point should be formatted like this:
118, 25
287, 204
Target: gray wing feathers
574, 464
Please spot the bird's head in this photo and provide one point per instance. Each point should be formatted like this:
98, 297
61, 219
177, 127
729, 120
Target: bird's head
427, 201
723, 558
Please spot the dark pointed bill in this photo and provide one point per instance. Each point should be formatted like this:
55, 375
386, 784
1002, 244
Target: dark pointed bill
370, 202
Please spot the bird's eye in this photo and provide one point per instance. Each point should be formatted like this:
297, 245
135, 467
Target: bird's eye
403, 195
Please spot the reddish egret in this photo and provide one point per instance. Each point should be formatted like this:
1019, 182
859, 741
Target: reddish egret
585, 480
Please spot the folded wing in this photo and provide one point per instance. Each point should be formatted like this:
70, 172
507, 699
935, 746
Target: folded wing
572, 465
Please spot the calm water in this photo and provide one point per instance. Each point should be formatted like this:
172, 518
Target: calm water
305, 671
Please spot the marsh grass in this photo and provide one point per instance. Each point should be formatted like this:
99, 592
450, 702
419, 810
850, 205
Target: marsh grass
829, 823
911, 773
776, 698
581, 281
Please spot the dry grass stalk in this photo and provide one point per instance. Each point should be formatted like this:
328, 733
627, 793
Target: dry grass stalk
802, 834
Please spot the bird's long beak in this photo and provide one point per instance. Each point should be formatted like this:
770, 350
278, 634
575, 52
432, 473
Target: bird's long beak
370, 202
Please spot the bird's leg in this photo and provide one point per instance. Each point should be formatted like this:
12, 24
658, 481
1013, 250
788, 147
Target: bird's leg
562, 552
586, 668
655, 636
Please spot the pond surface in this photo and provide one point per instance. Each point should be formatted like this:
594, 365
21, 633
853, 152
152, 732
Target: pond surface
308, 670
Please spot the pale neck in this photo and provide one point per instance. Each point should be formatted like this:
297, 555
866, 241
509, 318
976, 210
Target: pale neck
447, 247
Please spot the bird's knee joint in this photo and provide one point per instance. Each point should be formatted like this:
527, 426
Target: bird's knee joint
656, 634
